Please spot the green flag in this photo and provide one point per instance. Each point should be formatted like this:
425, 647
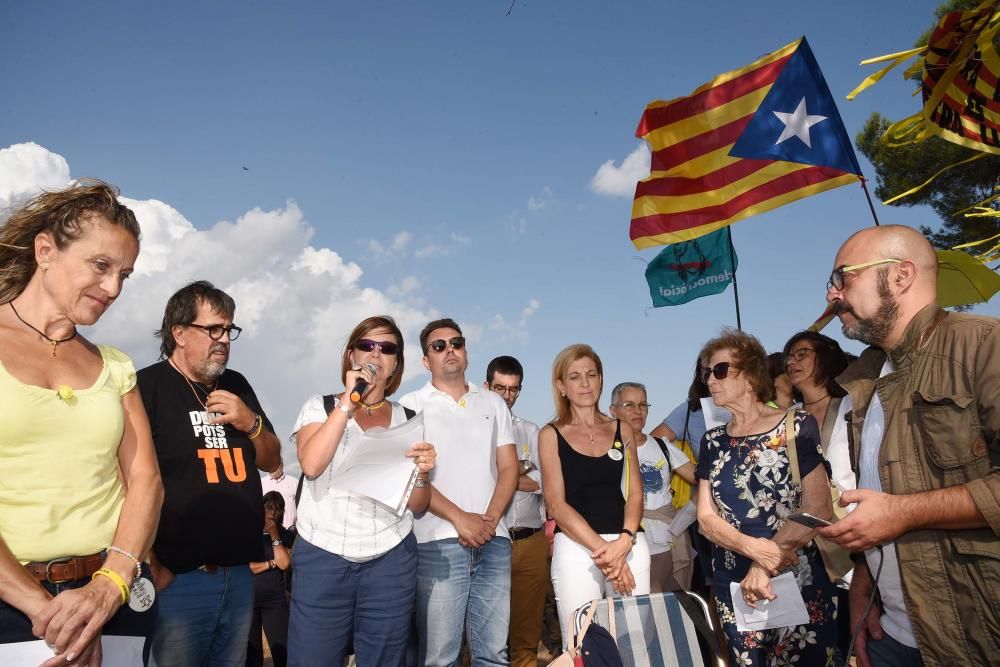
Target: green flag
691, 269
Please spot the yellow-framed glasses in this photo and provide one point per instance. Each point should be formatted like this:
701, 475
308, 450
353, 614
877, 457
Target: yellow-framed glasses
836, 280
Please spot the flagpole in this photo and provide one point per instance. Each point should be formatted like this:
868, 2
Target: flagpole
732, 263
864, 186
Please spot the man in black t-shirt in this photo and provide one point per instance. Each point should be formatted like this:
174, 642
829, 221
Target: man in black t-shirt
210, 435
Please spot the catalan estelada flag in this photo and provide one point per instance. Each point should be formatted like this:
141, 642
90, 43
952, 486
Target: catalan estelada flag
746, 142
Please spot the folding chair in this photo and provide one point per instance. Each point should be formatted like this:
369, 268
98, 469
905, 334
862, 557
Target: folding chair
657, 630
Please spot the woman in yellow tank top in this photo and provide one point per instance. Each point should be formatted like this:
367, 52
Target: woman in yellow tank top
80, 489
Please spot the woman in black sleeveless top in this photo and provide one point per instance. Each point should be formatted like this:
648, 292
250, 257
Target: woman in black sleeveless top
590, 474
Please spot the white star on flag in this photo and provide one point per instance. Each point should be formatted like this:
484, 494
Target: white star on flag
797, 123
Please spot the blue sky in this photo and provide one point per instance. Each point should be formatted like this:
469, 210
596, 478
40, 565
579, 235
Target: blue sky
422, 159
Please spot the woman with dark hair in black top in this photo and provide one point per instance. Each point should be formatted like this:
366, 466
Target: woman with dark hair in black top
270, 604
590, 473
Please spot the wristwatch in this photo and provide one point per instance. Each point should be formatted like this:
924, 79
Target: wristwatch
346, 408
626, 531
276, 542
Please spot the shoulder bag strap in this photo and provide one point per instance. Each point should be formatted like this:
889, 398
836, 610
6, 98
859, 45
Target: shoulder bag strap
329, 403
687, 420
793, 457
612, 629
410, 414
573, 647
829, 421
666, 455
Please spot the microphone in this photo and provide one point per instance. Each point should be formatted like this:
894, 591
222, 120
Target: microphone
361, 386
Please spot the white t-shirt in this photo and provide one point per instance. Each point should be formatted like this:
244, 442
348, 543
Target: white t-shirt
342, 522
465, 434
286, 486
895, 620
527, 510
655, 470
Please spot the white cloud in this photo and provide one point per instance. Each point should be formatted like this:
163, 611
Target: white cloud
296, 302
26, 170
529, 310
455, 243
501, 330
619, 181
384, 252
407, 285
540, 202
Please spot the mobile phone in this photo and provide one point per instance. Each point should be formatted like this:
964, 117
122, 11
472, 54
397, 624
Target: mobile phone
808, 520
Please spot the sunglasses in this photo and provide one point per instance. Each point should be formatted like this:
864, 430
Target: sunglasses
720, 371
385, 347
439, 345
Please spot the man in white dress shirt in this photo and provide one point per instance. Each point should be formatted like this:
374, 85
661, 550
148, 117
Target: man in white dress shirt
525, 518
463, 572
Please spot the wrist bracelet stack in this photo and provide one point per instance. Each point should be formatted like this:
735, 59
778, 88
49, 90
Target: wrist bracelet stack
258, 426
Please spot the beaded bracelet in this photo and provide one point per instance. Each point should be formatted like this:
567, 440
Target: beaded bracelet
116, 579
130, 556
258, 426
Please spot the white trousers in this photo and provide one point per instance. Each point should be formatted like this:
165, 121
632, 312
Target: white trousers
577, 580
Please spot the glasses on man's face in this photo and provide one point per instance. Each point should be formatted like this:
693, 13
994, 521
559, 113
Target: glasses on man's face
385, 347
513, 391
720, 371
799, 354
836, 280
632, 405
215, 331
440, 345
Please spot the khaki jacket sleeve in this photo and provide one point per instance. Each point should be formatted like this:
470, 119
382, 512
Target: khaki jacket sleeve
985, 491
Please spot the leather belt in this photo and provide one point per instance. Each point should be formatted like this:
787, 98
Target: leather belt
210, 569
521, 533
61, 570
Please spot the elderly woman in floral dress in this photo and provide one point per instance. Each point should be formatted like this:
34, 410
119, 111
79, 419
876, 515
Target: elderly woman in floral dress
746, 491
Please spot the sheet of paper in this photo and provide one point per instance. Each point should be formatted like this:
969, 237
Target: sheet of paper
117, 652
376, 466
785, 610
714, 415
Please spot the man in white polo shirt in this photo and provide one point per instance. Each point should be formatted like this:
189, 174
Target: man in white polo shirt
463, 543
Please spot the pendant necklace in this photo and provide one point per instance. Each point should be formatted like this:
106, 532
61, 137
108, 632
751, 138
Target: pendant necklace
53, 341
371, 406
191, 384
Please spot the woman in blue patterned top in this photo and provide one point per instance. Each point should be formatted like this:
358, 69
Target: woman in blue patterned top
746, 491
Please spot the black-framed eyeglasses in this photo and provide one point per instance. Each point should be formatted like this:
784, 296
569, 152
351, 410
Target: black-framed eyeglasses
439, 345
385, 347
799, 354
720, 371
632, 405
215, 331
836, 280
504, 389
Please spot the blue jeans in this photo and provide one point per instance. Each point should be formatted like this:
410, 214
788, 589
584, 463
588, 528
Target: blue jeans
204, 619
887, 652
462, 587
334, 599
